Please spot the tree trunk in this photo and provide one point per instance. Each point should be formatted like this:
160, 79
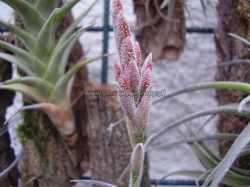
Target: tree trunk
165, 39
49, 160
6, 97
234, 16
108, 160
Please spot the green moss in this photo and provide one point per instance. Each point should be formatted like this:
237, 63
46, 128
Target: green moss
30, 131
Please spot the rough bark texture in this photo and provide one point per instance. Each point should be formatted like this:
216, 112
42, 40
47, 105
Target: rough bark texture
163, 38
6, 97
108, 161
234, 15
50, 161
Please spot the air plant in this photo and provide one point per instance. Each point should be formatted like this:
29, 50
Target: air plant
133, 87
44, 62
219, 170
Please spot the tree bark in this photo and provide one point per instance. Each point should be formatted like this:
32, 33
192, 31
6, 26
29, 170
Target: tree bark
234, 16
49, 160
108, 160
6, 152
165, 39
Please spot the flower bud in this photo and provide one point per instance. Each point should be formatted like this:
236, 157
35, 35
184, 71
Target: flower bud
145, 81
147, 64
137, 160
121, 30
137, 53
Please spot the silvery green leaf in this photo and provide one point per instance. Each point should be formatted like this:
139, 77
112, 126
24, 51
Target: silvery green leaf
232, 154
46, 39
35, 64
27, 39
32, 18
240, 38
98, 183
43, 86
23, 65
29, 91
58, 62
218, 85
58, 94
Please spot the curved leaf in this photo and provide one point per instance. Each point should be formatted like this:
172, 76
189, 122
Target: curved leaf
222, 136
58, 95
219, 85
19, 62
27, 39
36, 64
222, 169
227, 109
240, 38
33, 20
43, 86
46, 39
29, 91
58, 62
73, 25
229, 179
63, 11
98, 183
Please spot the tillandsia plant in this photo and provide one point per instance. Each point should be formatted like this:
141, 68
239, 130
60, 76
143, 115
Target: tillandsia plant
133, 84
45, 60
218, 170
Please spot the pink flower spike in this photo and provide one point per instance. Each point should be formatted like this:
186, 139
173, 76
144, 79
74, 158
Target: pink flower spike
116, 7
148, 63
127, 51
117, 70
145, 81
137, 53
121, 30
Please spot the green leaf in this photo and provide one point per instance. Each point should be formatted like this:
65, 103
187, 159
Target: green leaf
240, 38
73, 25
227, 109
23, 65
221, 136
46, 39
29, 91
43, 86
98, 183
27, 39
219, 85
232, 154
34, 63
63, 11
230, 180
58, 95
32, 18
57, 64
46, 7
